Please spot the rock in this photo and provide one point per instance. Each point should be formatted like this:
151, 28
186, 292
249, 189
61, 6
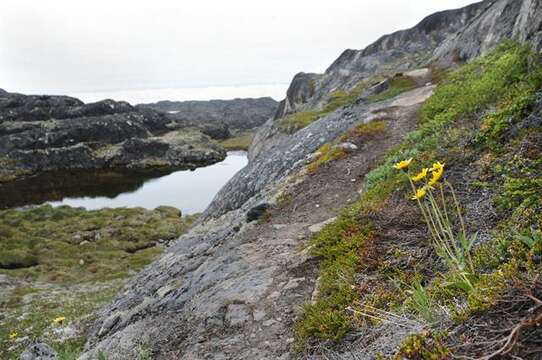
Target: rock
52, 133
347, 147
38, 351
292, 284
257, 212
216, 118
269, 322
243, 268
238, 314
318, 227
259, 315
109, 323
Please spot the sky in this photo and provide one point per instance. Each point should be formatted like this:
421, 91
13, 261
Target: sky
229, 48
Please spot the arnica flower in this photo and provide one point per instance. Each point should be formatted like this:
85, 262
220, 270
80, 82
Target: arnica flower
437, 166
420, 193
13, 335
421, 175
403, 164
437, 175
59, 320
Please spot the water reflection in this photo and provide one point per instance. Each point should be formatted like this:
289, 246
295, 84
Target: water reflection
190, 191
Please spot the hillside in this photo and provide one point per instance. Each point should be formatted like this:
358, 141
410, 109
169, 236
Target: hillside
391, 209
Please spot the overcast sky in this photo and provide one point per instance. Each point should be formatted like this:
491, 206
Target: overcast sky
70, 46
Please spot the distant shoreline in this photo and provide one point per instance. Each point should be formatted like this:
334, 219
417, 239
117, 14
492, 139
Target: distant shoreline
138, 96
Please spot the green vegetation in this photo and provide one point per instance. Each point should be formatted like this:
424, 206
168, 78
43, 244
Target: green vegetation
398, 85
331, 152
476, 121
337, 99
68, 245
365, 131
327, 152
69, 262
240, 142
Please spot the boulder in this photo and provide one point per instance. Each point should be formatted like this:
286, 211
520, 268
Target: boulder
38, 351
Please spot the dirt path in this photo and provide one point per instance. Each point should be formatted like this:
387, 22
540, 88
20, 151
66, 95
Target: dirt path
232, 290
266, 331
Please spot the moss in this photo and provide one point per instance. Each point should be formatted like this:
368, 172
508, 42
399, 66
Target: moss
476, 116
424, 346
31, 316
328, 152
17, 259
80, 259
398, 85
74, 245
366, 131
240, 142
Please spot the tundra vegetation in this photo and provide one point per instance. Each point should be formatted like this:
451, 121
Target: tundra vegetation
483, 124
65, 263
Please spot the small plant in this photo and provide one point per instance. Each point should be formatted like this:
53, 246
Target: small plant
454, 247
422, 302
531, 240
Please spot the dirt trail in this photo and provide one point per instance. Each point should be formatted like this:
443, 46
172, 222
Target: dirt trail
315, 199
231, 290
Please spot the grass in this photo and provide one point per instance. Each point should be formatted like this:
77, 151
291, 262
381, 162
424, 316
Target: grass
331, 151
70, 262
31, 315
477, 113
327, 152
240, 142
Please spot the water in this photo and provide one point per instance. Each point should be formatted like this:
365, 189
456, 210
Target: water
189, 190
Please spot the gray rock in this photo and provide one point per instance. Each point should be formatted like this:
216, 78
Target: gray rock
238, 314
318, 227
50, 133
216, 118
38, 351
347, 147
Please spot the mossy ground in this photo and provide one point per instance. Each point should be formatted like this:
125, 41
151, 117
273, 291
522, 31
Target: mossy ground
360, 133
69, 262
477, 122
239, 142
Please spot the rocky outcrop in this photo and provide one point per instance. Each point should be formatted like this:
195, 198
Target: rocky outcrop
217, 118
48, 133
519, 20
230, 289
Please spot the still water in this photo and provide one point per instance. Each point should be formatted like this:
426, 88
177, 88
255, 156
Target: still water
189, 190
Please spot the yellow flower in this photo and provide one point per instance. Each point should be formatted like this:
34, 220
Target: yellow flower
421, 175
403, 164
420, 193
437, 175
59, 320
13, 335
437, 166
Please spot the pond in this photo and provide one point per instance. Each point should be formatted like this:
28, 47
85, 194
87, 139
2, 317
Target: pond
189, 190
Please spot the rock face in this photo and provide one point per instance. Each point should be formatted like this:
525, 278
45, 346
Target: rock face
217, 118
47, 133
218, 292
